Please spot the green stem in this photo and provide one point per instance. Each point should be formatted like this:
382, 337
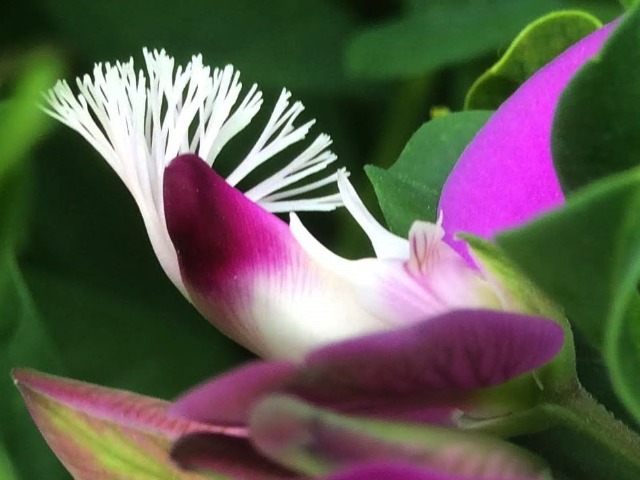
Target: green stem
583, 414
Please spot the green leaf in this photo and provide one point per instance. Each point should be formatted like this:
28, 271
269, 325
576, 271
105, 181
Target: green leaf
7, 470
23, 341
280, 43
23, 337
445, 34
595, 131
538, 44
410, 189
586, 256
627, 3
22, 125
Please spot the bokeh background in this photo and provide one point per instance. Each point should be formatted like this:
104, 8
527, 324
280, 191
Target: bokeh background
81, 293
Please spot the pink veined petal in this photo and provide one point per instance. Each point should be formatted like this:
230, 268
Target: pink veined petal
433, 363
425, 372
506, 175
234, 457
228, 399
247, 274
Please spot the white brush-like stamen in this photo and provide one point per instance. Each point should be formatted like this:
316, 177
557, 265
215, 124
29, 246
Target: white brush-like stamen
140, 121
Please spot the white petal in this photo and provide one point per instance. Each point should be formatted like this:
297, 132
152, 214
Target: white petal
385, 244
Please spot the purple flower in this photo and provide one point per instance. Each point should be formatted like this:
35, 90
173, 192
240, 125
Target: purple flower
270, 286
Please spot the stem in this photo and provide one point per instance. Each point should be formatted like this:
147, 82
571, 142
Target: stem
582, 413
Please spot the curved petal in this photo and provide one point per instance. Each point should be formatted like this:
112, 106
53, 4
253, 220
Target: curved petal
278, 291
433, 363
228, 399
506, 175
426, 372
248, 275
98, 432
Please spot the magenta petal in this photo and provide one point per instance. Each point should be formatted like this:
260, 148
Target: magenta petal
506, 175
224, 243
458, 351
233, 457
228, 399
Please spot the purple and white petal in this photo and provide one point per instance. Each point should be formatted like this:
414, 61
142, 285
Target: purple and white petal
248, 275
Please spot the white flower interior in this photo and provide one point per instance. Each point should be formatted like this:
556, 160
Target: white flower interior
140, 121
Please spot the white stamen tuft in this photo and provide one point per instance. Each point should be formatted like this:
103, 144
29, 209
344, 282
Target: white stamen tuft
140, 121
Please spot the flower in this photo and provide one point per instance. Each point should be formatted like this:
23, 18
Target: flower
140, 121
274, 288
270, 286
505, 176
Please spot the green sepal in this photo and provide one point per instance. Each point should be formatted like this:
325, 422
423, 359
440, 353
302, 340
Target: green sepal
520, 294
586, 256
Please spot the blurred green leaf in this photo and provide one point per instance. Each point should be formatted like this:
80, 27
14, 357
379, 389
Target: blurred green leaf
538, 44
7, 470
281, 43
22, 125
441, 35
627, 3
23, 338
586, 256
23, 341
410, 189
595, 131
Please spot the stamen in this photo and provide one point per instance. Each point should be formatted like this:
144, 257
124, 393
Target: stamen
140, 121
